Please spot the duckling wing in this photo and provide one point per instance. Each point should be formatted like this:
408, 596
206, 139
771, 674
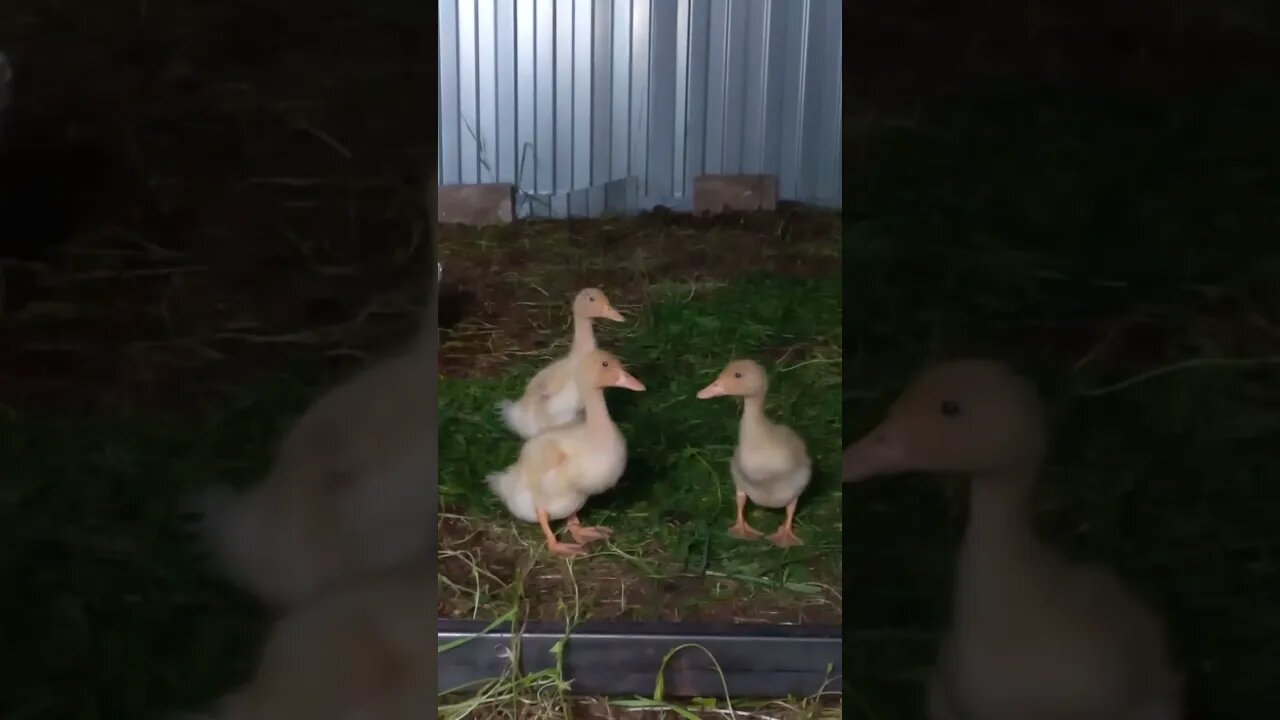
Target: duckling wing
794, 444
550, 466
550, 380
777, 453
535, 411
543, 456
1103, 597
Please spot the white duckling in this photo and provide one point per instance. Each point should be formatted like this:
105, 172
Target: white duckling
352, 488
366, 650
1032, 636
770, 465
551, 399
560, 469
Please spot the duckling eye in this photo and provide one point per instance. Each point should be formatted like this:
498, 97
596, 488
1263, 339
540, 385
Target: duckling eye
950, 409
591, 298
604, 364
737, 375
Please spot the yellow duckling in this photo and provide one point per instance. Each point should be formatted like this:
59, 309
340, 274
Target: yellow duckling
770, 465
1032, 636
551, 399
560, 469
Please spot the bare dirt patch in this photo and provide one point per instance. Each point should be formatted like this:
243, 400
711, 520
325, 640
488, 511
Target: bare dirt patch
486, 311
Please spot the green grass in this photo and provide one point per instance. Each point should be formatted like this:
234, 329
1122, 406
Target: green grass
673, 505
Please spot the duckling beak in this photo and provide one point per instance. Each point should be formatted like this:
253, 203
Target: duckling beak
715, 389
879, 453
628, 381
610, 314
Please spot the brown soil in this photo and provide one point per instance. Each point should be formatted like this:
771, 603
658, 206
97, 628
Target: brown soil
603, 587
485, 314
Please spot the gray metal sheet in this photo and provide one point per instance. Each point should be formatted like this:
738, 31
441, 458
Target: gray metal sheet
565, 97
623, 658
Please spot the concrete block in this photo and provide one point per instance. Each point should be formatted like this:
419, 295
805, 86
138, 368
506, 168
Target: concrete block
717, 193
483, 204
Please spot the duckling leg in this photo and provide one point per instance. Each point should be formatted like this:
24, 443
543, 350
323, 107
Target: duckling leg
583, 534
784, 536
741, 529
554, 545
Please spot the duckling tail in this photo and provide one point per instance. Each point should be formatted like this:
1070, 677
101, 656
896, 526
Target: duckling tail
225, 522
502, 482
250, 544
514, 494
518, 419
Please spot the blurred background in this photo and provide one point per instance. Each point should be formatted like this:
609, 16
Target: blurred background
209, 212
1086, 190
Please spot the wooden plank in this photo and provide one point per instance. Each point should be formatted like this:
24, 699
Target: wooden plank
718, 193
477, 205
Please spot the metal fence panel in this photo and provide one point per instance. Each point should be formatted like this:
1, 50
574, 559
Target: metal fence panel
610, 106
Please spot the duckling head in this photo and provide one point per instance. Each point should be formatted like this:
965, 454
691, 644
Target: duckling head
740, 378
974, 417
601, 369
592, 303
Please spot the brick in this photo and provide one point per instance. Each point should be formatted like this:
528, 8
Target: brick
717, 193
484, 204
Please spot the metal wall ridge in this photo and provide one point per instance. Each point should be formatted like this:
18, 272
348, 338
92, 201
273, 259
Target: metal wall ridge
614, 106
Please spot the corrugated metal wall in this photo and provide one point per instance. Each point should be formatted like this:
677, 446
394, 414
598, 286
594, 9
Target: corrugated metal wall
616, 105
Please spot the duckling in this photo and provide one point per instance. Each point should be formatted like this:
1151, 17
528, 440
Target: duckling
558, 470
770, 465
551, 398
366, 650
352, 488
1032, 636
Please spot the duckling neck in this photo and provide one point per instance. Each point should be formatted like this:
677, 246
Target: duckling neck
999, 506
584, 338
1000, 549
597, 411
753, 418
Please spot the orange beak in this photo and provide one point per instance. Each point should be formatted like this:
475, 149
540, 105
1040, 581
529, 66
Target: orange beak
880, 452
715, 389
628, 381
609, 313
